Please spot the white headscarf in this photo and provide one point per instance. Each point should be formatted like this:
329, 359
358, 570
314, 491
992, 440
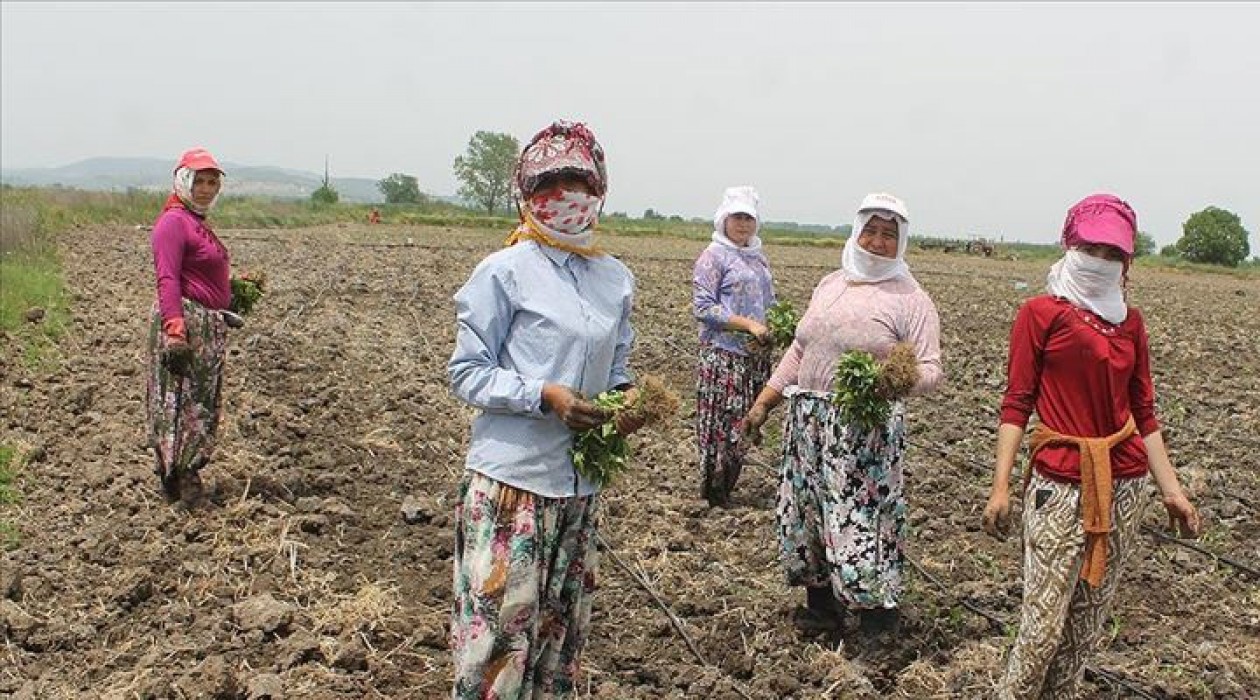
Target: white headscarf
184, 178
1090, 283
738, 200
862, 266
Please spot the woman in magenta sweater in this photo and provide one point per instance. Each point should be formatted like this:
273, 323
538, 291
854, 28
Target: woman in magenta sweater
1079, 358
188, 335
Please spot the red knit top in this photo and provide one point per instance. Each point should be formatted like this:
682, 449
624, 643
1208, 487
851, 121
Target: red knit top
1083, 376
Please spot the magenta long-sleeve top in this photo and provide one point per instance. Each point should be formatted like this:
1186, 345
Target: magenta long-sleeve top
845, 316
190, 262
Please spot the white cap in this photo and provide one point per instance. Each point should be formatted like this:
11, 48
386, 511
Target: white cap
886, 202
741, 199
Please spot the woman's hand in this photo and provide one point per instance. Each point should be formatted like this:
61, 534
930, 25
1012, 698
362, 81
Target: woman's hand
997, 514
1183, 519
759, 331
750, 427
629, 420
572, 408
177, 355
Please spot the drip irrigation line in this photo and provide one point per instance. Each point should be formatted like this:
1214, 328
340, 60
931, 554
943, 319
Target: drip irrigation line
673, 618
1244, 568
1240, 566
1092, 672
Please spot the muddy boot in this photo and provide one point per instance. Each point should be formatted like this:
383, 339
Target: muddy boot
822, 613
190, 492
879, 626
169, 481
714, 494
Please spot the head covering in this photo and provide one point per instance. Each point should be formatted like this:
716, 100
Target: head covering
564, 148
862, 266
741, 199
1101, 218
198, 159
190, 162
1085, 281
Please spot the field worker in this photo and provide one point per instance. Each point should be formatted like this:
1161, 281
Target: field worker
731, 290
543, 326
187, 335
841, 510
1079, 358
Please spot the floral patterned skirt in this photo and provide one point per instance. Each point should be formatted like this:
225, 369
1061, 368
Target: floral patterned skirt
841, 508
524, 577
183, 411
726, 386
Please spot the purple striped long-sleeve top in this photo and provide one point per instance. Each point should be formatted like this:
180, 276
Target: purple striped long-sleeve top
730, 282
189, 262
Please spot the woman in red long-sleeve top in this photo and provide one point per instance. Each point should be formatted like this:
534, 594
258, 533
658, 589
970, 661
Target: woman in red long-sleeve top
188, 335
1079, 359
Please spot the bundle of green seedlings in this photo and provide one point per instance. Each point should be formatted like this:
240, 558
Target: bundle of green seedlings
782, 318
246, 291
864, 389
600, 454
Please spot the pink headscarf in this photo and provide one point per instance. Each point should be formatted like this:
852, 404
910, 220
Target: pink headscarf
1101, 218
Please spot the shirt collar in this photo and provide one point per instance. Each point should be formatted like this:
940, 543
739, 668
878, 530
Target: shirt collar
557, 256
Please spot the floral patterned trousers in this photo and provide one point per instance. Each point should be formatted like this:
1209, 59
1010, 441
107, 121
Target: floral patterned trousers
726, 386
524, 577
183, 410
841, 508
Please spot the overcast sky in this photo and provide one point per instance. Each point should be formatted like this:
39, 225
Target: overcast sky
988, 119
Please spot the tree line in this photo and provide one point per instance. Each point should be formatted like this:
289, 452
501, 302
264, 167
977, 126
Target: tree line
1214, 235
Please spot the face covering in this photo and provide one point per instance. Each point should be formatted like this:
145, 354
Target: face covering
565, 212
862, 266
184, 178
1090, 283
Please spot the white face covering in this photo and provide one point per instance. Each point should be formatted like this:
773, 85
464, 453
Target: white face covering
862, 266
1090, 283
569, 217
184, 178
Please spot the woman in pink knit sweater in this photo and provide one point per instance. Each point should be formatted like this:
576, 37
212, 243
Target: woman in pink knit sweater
188, 335
841, 510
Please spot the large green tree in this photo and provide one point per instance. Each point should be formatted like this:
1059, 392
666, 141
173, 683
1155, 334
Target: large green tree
485, 169
1145, 244
1214, 236
400, 189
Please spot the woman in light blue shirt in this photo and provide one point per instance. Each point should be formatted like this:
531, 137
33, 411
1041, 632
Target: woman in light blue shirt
543, 326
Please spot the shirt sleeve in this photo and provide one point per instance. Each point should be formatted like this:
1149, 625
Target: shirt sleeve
1141, 388
788, 369
484, 309
167, 241
1023, 365
621, 373
923, 332
706, 285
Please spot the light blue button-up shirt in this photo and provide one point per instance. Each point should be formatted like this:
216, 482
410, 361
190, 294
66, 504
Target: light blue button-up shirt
528, 315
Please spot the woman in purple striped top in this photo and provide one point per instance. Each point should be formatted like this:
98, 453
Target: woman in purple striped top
731, 289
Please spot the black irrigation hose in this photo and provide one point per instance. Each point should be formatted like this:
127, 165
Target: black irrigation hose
1244, 568
673, 618
1092, 672
1240, 566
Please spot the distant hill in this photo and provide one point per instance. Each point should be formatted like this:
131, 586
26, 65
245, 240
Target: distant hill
155, 174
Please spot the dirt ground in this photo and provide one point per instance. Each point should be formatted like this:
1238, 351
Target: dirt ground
300, 578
